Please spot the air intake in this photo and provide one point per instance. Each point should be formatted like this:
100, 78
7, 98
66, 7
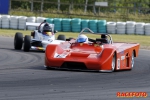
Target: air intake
74, 65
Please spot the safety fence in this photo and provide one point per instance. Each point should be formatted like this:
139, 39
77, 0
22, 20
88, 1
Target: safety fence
76, 25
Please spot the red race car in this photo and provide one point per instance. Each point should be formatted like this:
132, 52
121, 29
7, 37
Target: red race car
99, 54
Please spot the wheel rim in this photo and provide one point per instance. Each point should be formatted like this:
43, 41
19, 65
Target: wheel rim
113, 63
132, 60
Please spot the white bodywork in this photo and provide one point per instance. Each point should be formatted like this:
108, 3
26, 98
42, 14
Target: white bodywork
45, 40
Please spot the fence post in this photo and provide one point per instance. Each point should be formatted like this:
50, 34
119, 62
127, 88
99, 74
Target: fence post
85, 8
58, 8
9, 5
31, 5
42, 3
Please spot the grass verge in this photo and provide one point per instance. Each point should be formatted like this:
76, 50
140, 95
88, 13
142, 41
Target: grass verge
142, 39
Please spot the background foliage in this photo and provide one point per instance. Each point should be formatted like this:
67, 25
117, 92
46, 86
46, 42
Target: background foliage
118, 10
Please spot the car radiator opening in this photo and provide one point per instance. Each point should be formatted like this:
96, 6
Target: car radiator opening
74, 65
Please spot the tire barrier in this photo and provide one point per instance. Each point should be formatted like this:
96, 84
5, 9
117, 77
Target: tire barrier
0, 21
93, 25
84, 24
49, 20
77, 24
111, 27
5, 21
139, 27
66, 25
121, 27
130, 27
33, 20
101, 24
22, 22
14, 22
147, 29
40, 19
57, 23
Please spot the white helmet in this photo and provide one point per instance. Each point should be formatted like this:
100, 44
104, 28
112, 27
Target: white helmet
82, 38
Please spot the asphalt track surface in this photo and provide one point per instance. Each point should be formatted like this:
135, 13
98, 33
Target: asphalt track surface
23, 77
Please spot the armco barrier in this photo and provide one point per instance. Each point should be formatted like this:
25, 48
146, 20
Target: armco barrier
77, 24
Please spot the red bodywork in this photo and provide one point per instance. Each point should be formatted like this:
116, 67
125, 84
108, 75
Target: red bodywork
90, 56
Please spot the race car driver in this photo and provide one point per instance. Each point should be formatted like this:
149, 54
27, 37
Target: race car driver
82, 39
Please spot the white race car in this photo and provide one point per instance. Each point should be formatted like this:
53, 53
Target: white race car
39, 38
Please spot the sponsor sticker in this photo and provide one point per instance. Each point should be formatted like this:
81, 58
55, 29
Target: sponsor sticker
131, 94
122, 52
122, 57
63, 55
40, 48
92, 56
50, 40
118, 63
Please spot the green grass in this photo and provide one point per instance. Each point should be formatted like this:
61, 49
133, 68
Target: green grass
142, 39
78, 13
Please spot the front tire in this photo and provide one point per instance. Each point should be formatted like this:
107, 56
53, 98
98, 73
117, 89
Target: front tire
113, 64
132, 60
61, 37
27, 43
18, 41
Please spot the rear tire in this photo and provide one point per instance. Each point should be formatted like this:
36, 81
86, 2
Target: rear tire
27, 43
18, 41
61, 37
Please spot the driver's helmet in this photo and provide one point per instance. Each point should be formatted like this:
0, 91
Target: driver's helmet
82, 39
47, 30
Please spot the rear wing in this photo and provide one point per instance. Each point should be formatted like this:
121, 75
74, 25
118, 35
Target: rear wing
36, 25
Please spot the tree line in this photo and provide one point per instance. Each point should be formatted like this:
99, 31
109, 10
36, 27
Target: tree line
114, 5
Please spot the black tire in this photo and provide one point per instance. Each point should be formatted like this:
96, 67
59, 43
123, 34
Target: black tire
27, 43
61, 37
18, 41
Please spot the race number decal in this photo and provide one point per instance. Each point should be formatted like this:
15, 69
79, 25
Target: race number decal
50, 40
63, 55
118, 63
